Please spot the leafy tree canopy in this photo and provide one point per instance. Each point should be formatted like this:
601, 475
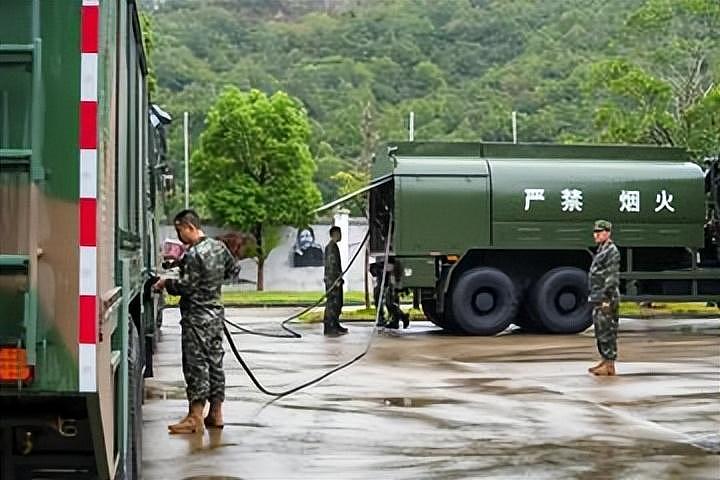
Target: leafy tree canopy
636, 71
253, 165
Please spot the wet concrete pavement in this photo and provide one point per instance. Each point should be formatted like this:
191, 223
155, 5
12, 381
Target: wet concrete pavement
423, 404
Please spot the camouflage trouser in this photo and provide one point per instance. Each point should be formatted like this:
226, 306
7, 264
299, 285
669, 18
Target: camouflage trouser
202, 359
391, 302
334, 305
606, 327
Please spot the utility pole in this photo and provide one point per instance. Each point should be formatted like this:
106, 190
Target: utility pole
187, 163
412, 126
369, 141
514, 126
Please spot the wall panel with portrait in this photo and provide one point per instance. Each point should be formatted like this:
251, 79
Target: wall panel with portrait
306, 251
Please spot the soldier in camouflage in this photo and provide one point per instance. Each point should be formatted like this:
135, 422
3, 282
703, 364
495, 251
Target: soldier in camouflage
333, 286
391, 296
605, 296
204, 267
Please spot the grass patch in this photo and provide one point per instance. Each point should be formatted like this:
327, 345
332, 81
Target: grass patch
279, 299
253, 298
361, 315
627, 309
632, 309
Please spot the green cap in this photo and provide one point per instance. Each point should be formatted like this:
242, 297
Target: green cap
601, 225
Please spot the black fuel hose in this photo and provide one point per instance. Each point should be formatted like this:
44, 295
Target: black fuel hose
292, 333
284, 393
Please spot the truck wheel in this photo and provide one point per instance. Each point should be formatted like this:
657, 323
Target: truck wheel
558, 301
429, 308
484, 301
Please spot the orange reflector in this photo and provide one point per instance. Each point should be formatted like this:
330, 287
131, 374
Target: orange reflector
13, 365
452, 258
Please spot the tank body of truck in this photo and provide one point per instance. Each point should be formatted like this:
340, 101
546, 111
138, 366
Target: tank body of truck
78, 171
493, 234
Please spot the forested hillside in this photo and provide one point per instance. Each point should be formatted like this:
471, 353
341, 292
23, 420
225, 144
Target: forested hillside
635, 71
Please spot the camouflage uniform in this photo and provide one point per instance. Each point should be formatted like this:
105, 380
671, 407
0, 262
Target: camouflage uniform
333, 271
391, 297
204, 267
604, 288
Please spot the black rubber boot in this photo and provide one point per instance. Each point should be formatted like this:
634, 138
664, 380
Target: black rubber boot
330, 330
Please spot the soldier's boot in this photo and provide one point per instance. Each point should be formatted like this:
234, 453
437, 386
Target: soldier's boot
214, 418
331, 330
600, 364
606, 370
338, 327
394, 324
193, 423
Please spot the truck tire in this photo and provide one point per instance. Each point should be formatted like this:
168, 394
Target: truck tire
484, 301
429, 308
558, 301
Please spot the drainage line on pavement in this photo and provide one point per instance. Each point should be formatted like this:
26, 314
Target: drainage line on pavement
284, 393
292, 333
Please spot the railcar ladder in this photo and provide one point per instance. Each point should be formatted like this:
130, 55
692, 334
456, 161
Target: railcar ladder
26, 160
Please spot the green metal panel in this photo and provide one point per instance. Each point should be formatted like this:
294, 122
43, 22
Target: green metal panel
60, 26
131, 161
433, 149
440, 166
15, 105
520, 221
545, 151
653, 196
121, 144
107, 94
417, 271
16, 22
17, 261
536, 151
441, 213
12, 307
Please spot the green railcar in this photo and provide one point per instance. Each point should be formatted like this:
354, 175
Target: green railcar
494, 234
78, 186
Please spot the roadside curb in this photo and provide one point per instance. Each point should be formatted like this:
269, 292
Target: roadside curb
670, 316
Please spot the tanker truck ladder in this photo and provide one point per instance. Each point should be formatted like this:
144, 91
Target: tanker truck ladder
18, 159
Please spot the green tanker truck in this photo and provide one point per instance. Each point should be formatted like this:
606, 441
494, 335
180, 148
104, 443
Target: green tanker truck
491, 234
79, 180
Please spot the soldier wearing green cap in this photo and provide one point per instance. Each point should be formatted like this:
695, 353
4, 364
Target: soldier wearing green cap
605, 296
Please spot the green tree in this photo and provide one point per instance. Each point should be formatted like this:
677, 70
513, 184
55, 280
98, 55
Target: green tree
254, 166
670, 95
461, 65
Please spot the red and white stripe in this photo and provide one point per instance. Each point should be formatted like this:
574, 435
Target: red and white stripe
87, 204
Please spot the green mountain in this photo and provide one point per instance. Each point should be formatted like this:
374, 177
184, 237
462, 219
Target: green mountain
572, 69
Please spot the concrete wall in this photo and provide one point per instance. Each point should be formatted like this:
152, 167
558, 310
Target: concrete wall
280, 274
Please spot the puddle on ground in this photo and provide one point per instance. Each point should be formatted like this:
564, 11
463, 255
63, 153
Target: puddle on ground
450, 407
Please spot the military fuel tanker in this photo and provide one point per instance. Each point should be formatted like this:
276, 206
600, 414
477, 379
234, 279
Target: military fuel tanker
79, 174
492, 234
